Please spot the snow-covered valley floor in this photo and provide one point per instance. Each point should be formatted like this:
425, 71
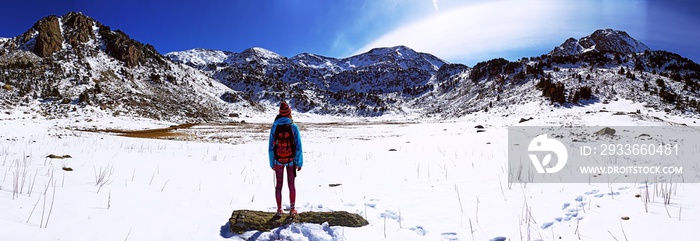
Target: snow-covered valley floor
411, 180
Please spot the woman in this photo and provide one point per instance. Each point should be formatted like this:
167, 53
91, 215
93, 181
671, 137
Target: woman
285, 153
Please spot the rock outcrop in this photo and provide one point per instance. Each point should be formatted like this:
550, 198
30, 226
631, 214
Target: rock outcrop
49, 39
78, 28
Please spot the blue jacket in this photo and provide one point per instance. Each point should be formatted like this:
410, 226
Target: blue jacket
299, 157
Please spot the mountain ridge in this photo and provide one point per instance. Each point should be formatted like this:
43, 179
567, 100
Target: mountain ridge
386, 54
73, 61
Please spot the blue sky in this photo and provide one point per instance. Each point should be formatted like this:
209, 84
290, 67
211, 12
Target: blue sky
457, 31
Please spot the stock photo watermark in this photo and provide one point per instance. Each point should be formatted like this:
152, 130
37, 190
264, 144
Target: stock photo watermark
621, 154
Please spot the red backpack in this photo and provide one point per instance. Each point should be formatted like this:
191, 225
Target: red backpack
284, 148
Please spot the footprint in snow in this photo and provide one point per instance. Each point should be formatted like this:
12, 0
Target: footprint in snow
419, 230
371, 203
547, 225
499, 238
592, 192
571, 212
390, 215
449, 236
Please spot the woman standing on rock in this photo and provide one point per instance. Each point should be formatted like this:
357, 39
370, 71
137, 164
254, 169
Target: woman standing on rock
285, 153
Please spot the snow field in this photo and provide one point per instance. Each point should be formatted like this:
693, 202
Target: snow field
412, 181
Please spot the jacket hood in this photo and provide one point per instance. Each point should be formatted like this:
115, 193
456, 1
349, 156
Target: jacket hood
282, 121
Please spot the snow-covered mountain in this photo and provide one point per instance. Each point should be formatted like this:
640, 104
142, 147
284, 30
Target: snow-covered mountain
365, 84
200, 57
399, 80
602, 40
400, 56
74, 63
71, 61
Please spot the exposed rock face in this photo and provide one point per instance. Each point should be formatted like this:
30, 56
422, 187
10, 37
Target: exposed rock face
133, 56
49, 39
121, 47
78, 28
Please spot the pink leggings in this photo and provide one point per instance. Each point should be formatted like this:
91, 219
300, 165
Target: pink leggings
279, 174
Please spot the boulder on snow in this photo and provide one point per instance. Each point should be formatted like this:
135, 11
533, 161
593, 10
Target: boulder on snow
246, 220
479, 127
524, 120
606, 131
52, 156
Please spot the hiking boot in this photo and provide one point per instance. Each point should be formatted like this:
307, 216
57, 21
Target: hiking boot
279, 213
293, 212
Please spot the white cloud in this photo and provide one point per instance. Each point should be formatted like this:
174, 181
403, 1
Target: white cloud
435, 5
478, 31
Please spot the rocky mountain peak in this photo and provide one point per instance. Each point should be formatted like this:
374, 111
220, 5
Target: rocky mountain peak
260, 53
70, 34
262, 56
609, 40
78, 28
46, 36
401, 56
602, 40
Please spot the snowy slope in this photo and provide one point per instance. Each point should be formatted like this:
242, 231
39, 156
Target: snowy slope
314, 61
570, 47
199, 57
